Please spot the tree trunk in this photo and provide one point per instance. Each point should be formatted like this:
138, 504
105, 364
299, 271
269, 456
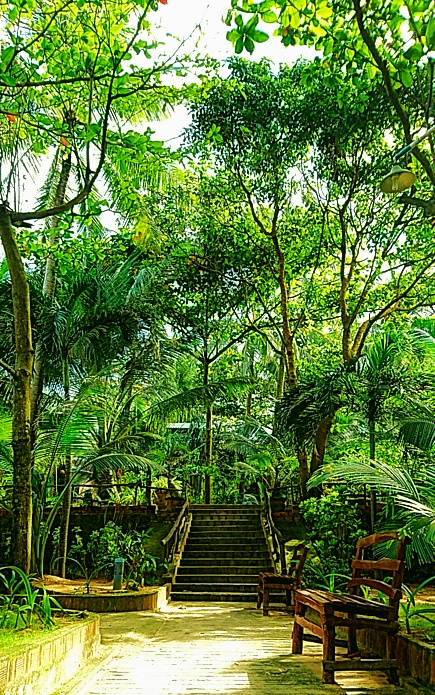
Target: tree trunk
248, 410
22, 476
287, 336
304, 473
148, 486
373, 497
346, 346
48, 290
320, 441
251, 372
67, 497
208, 452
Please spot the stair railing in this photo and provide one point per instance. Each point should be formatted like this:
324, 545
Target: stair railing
172, 541
278, 544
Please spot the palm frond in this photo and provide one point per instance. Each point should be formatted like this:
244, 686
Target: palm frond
419, 433
182, 404
376, 474
115, 461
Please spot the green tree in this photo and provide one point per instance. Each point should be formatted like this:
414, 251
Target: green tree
55, 55
88, 327
201, 282
391, 44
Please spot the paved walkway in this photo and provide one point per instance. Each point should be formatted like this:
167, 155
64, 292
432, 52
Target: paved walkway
210, 649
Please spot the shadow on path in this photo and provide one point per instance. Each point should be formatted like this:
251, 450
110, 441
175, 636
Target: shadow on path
212, 649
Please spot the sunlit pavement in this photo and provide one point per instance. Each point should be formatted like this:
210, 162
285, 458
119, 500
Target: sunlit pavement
208, 649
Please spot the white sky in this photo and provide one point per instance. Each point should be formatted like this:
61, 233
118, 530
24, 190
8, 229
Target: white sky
180, 17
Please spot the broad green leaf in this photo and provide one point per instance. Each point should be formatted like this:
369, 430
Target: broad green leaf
324, 11
414, 53
251, 24
294, 19
406, 77
258, 36
233, 35
239, 45
269, 17
430, 32
249, 44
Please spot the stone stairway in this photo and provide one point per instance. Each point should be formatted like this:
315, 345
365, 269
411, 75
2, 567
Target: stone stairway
224, 553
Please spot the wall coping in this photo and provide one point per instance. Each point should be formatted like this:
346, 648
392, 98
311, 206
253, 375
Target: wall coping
121, 602
40, 667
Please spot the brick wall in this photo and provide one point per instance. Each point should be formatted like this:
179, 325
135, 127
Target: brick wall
43, 668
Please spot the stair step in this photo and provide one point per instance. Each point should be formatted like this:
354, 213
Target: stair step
237, 545
223, 533
214, 596
225, 562
227, 526
211, 555
227, 507
229, 512
217, 579
215, 570
225, 596
237, 587
224, 553
226, 520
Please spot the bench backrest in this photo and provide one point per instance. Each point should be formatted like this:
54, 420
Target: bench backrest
297, 562
395, 568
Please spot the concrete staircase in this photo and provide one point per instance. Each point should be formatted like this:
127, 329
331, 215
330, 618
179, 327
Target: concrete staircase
224, 553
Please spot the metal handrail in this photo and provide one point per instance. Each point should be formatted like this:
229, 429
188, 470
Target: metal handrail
277, 539
175, 534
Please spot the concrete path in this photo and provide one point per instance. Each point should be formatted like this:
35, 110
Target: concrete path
210, 649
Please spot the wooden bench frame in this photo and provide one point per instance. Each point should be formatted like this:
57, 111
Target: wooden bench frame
288, 582
355, 612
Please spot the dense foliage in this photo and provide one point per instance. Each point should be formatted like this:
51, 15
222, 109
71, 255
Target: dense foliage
245, 313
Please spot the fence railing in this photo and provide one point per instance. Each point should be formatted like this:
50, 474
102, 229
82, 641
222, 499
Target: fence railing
172, 541
278, 544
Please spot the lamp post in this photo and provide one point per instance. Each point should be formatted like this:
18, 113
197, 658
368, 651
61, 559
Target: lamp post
399, 179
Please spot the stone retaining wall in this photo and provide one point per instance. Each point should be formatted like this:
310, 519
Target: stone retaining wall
416, 659
44, 667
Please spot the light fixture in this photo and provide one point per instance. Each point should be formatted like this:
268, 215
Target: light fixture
397, 180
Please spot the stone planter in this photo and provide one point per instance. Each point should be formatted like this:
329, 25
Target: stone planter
121, 602
416, 658
45, 666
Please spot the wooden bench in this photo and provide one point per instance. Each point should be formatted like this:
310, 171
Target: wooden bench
288, 582
355, 612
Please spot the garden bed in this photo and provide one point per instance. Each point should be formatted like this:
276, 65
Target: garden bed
416, 658
40, 661
71, 594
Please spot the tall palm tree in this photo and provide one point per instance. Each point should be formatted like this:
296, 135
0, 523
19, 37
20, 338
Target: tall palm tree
87, 325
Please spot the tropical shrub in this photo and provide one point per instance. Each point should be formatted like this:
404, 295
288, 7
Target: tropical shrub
333, 527
108, 543
21, 603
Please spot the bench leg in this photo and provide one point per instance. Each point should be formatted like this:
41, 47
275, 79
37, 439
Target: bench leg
393, 676
288, 598
328, 651
259, 596
265, 600
352, 643
298, 630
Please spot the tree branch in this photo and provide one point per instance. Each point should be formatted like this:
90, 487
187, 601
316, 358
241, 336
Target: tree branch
8, 369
